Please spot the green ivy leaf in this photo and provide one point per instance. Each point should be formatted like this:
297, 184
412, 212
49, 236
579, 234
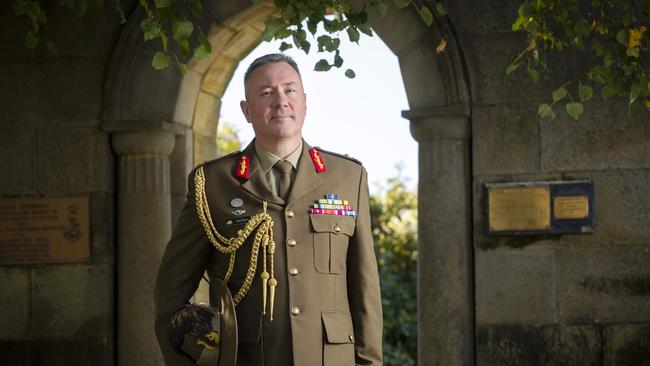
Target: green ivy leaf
202, 52
621, 37
585, 92
51, 48
365, 28
31, 41
163, 3
182, 68
324, 42
338, 60
559, 94
425, 15
533, 73
441, 9
353, 34
574, 110
184, 47
402, 3
322, 65
512, 68
350, 74
196, 7
182, 30
608, 92
285, 46
545, 111
632, 52
272, 25
151, 29
312, 26
161, 61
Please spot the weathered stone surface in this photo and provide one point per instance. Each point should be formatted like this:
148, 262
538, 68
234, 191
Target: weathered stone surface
14, 353
514, 287
102, 228
492, 53
92, 350
73, 35
72, 300
14, 302
477, 17
398, 28
423, 74
180, 165
505, 139
603, 285
516, 345
218, 75
61, 90
205, 148
242, 43
73, 160
18, 149
605, 137
627, 344
186, 99
206, 115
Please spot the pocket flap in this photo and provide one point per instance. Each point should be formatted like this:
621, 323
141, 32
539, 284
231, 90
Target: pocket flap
330, 223
338, 327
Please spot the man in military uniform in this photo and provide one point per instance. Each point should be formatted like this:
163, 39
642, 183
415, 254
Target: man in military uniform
300, 264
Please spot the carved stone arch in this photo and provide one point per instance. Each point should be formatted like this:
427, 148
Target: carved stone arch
141, 99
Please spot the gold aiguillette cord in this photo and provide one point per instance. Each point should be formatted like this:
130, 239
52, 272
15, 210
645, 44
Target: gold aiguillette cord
261, 224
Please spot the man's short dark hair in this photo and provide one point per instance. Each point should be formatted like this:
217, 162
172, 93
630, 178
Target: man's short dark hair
269, 59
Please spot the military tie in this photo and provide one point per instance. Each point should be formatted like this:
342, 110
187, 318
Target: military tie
283, 167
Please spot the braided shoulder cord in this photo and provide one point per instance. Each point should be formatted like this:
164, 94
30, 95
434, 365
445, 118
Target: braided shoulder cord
261, 223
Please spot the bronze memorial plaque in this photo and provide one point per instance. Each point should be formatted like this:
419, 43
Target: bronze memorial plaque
44, 230
519, 208
571, 207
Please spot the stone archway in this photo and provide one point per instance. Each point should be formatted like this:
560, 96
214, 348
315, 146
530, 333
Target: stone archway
160, 139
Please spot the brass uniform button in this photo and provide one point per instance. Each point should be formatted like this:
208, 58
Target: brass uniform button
291, 242
295, 310
293, 271
337, 229
351, 338
289, 214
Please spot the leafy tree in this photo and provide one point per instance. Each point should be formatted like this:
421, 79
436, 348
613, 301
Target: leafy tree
227, 138
394, 229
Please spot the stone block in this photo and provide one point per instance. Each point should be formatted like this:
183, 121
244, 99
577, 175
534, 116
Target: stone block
92, 34
206, 115
603, 285
514, 287
505, 139
14, 353
18, 149
399, 28
216, 79
422, 72
14, 303
487, 57
102, 228
478, 17
605, 137
72, 300
516, 345
627, 344
186, 99
73, 160
59, 90
91, 350
242, 43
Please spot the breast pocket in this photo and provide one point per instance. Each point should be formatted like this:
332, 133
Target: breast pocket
331, 236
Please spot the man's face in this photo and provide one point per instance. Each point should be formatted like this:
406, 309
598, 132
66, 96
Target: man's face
275, 103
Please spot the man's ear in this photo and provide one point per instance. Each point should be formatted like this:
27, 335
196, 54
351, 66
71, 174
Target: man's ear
245, 110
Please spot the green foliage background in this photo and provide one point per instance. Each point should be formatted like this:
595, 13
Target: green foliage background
394, 229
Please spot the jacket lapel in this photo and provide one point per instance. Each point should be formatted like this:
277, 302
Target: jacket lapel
256, 182
307, 179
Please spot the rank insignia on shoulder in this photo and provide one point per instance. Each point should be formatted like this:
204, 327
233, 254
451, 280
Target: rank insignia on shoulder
332, 205
317, 159
243, 166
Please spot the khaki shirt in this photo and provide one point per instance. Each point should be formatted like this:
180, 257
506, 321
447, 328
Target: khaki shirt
267, 160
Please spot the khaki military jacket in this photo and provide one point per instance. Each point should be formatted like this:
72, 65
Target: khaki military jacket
327, 309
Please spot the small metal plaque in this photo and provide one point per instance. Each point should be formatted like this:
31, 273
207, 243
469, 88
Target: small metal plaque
44, 230
519, 208
529, 208
571, 207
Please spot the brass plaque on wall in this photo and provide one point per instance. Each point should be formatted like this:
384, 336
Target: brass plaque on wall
44, 230
519, 208
539, 208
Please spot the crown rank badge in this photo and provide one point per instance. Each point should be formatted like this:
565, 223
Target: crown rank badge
333, 205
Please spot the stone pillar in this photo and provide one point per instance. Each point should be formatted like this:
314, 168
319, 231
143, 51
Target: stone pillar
445, 265
144, 227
